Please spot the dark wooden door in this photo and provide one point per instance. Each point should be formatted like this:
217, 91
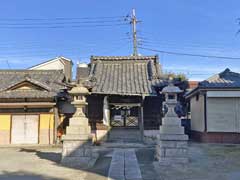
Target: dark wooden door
124, 118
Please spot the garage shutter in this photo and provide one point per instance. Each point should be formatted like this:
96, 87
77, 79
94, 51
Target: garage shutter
24, 129
222, 115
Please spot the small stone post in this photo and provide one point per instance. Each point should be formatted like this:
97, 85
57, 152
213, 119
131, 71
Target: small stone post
172, 142
77, 149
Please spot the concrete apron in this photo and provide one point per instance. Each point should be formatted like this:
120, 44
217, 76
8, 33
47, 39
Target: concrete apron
124, 166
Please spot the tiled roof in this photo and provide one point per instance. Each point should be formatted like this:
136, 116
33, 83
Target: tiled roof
51, 81
225, 79
124, 75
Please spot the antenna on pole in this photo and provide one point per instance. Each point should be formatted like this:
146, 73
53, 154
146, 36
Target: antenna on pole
134, 32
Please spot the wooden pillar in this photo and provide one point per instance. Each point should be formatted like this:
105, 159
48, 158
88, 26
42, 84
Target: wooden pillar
141, 123
56, 123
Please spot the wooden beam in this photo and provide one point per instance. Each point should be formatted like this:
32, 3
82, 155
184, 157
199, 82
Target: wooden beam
56, 124
27, 104
141, 123
126, 104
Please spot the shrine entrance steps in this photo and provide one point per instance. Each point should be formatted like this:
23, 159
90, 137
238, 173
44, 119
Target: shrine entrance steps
124, 135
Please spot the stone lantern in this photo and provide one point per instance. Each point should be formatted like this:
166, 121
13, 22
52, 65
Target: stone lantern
172, 142
77, 148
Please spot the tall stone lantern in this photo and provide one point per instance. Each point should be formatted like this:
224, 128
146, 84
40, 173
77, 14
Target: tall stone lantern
77, 148
172, 144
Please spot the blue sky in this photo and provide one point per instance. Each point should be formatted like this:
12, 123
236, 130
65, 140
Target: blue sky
192, 26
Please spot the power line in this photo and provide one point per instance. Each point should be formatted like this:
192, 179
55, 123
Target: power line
59, 18
60, 23
189, 54
30, 44
154, 40
60, 27
52, 52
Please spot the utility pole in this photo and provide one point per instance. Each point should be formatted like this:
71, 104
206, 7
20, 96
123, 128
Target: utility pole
134, 32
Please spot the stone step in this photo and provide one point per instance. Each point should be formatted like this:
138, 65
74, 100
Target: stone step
124, 135
171, 129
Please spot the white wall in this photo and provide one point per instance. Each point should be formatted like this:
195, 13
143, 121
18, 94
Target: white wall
56, 65
197, 113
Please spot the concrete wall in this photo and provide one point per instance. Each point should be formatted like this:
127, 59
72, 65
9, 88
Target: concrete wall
197, 113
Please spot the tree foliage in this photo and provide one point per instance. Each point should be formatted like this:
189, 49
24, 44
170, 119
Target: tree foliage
180, 76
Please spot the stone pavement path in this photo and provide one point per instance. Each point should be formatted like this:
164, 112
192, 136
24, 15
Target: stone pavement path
124, 165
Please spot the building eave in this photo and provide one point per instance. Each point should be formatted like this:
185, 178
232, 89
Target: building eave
199, 89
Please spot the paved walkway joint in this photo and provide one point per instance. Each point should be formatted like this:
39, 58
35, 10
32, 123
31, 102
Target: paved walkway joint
124, 166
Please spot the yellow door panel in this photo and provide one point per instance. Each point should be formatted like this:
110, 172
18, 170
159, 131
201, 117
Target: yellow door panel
5, 122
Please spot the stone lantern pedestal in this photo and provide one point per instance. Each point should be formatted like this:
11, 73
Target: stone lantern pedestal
77, 148
172, 144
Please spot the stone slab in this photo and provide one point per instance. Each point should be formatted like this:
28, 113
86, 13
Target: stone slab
171, 121
173, 137
171, 129
74, 137
173, 144
132, 170
78, 130
166, 161
124, 166
116, 170
78, 121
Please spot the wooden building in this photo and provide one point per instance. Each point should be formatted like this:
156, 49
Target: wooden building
215, 109
124, 94
28, 105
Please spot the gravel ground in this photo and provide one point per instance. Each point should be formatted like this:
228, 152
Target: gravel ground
35, 163
207, 161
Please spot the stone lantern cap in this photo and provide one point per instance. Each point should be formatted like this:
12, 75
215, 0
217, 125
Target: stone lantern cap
78, 90
171, 89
